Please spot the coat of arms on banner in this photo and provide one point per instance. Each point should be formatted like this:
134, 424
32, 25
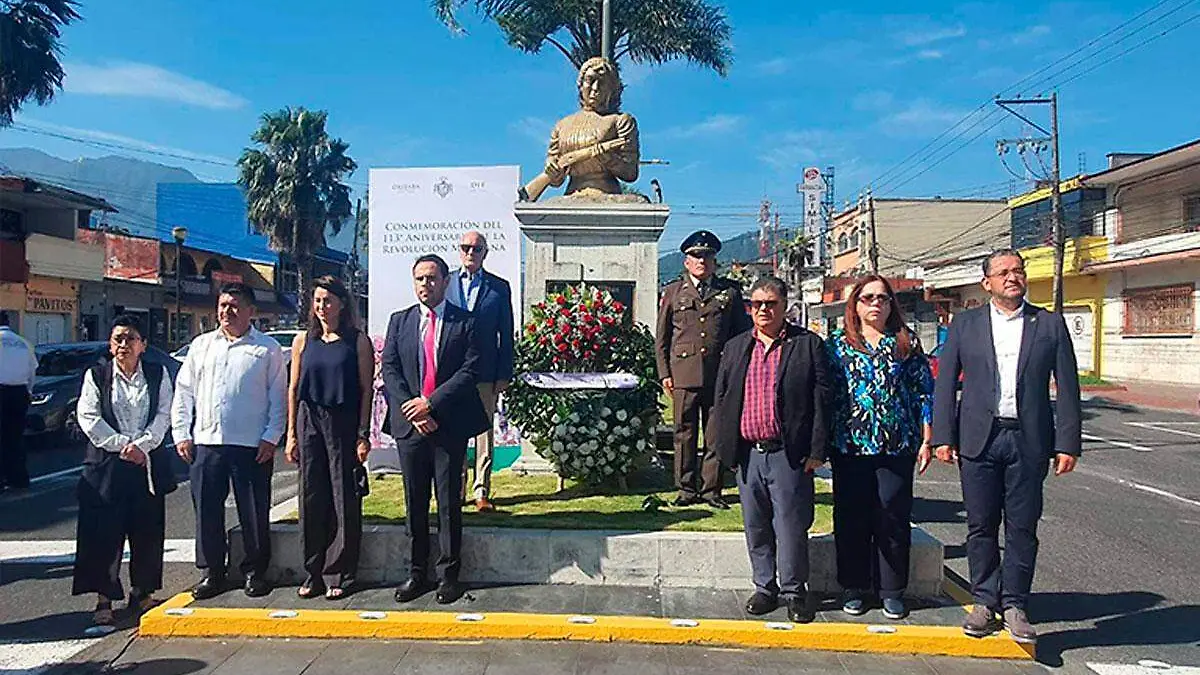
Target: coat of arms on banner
443, 188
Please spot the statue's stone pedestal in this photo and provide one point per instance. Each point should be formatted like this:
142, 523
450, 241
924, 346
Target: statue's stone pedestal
604, 244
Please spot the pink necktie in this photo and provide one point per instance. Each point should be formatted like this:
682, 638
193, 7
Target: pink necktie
429, 380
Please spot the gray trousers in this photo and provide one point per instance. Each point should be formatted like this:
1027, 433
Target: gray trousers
777, 511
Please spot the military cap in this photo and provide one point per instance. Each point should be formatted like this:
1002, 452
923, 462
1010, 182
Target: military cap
701, 242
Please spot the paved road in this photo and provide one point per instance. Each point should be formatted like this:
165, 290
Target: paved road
1116, 584
1118, 577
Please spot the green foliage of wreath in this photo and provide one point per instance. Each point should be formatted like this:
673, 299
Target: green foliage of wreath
593, 435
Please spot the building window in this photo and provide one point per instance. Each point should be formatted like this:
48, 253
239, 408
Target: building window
1160, 311
1191, 213
843, 244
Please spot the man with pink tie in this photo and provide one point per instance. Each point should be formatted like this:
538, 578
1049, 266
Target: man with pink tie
430, 364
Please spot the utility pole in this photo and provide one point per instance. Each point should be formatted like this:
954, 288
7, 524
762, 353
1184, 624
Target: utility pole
1057, 235
606, 49
873, 251
775, 245
354, 253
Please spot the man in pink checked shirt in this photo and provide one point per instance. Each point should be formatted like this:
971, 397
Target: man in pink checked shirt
430, 364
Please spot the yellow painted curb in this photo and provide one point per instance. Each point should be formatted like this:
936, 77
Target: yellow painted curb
183, 621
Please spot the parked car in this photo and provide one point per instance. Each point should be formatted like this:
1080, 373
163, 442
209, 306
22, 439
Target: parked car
59, 380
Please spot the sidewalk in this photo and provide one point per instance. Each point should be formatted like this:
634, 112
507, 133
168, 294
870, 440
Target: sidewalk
1144, 394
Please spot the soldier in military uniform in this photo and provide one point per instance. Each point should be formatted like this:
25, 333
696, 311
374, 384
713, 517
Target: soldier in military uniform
698, 314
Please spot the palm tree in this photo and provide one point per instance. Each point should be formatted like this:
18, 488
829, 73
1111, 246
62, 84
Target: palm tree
294, 188
29, 51
645, 31
794, 253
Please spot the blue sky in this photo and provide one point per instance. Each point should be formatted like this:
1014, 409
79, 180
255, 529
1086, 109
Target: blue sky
860, 88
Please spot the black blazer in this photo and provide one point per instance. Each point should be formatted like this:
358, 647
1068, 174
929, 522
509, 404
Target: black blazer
1045, 348
455, 402
493, 325
802, 402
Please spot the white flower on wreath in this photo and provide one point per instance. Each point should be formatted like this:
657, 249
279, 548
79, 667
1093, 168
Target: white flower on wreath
606, 411
560, 430
593, 431
622, 415
589, 461
584, 449
641, 444
636, 422
602, 425
557, 447
575, 418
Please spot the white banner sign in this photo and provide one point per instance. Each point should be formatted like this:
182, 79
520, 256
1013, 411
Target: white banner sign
581, 380
414, 212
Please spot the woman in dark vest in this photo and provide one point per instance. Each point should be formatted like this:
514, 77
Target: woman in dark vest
125, 410
329, 422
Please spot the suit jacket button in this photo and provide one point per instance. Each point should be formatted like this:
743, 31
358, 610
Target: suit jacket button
683, 355
703, 335
703, 350
701, 319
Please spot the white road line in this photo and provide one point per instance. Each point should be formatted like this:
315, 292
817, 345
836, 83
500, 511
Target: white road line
30, 658
1158, 426
1119, 444
57, 474
285, 508
62, 551
1149, 489
1144, 667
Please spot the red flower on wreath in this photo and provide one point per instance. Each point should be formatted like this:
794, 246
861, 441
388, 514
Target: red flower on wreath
561, 300
618, 307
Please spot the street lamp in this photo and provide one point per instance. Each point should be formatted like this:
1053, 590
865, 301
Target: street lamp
180, 234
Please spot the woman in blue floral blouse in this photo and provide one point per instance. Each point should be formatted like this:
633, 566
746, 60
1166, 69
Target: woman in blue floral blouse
882, 398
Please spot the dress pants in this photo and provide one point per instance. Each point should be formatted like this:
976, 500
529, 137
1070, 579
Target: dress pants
330, 508
697, 469
106, 521
1003, 482
435, 461
872, 511
777, 510
485, 446
14, 404
213, 468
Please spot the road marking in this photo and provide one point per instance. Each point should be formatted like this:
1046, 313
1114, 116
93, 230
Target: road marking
1159, 426
57, 474
1119, 444
284, 509
62, 551
1145, 667
30, 658
1140, 487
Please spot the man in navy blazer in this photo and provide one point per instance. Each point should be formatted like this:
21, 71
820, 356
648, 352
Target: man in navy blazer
1005, 434
489, 300
430, 362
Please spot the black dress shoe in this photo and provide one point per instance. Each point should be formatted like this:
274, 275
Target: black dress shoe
717, 503
257, 586
209, 587
761, 603
449, 591
800, 609
411, 590
685, 500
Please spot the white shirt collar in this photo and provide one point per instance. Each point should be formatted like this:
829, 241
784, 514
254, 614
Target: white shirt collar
999, 313
137, 376
439, 310
464, 273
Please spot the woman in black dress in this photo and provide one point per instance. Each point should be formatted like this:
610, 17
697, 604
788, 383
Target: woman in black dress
329, 422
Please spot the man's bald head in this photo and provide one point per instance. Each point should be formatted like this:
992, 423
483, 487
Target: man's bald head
472, 249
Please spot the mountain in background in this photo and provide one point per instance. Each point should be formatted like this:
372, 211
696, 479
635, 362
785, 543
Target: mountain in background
128, 184
742, 248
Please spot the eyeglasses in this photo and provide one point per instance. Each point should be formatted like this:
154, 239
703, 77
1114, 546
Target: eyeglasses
759, 305
469, 248
874, 298
124, 339
1018, 272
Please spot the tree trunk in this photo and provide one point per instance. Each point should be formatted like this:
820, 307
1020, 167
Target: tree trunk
303, 287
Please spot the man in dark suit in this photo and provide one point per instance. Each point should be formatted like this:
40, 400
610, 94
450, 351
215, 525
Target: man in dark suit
697, 315
430, 362
771, 426
489, 300
1004, 435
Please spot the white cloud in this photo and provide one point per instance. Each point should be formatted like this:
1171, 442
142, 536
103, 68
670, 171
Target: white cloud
118, 142
711, 125
930, 54
918, 37
873, 100
1031, 34
142, 80
922, 115
535, 129
791, 150
773, 67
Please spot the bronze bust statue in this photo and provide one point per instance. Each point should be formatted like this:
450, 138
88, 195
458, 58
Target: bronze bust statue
597, 147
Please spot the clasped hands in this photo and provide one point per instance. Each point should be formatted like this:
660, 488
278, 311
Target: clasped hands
420, 415
133, 454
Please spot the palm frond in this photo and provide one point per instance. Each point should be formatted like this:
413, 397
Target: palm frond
29, 52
